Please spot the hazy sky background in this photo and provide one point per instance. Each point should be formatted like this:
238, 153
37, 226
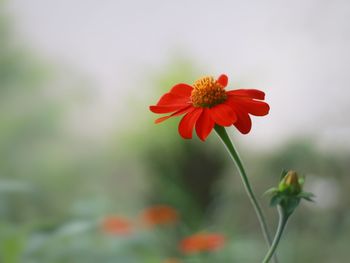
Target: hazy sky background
296, 51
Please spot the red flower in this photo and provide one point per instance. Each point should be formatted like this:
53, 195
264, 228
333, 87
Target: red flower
159, 215
117, 225
171, 260
202, 242
207, 103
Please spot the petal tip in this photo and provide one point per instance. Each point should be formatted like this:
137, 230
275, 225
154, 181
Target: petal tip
201, 137
186, 137
223, 80
151, 108
157, 121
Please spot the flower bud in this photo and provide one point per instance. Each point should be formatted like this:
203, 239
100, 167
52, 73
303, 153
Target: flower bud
290, 184
289, 192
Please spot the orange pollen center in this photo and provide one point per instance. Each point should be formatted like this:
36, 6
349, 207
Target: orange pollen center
207, 93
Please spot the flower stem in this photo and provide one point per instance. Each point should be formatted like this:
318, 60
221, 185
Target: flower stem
221, 132
283, 218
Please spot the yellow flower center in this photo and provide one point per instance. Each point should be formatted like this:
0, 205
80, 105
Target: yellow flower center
207, 93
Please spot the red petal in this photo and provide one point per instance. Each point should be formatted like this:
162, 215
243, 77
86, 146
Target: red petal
167, 108
251, 93
188, 121
204, 124
215, 241
244, 123
223, 115
223, 80
202, 243
171, 99
254, 107
182, 89
177, 113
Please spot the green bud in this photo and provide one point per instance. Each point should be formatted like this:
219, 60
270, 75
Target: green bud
289, 192
290, 184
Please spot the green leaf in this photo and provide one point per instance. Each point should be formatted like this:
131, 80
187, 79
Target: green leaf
271, 191
11, 244
307, 196
283, 174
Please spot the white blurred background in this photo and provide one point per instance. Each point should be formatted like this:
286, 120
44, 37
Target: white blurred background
296, 51
78, 143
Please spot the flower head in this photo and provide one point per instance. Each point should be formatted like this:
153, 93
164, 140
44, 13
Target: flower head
202, 242
206, 103
159, 215
117, 225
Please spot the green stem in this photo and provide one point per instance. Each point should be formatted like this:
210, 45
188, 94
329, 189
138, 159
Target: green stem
283, 218
221, 132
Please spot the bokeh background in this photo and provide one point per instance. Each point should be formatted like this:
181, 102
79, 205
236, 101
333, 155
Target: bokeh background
78, 143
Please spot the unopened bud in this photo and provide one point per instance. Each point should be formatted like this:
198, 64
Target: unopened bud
290, 183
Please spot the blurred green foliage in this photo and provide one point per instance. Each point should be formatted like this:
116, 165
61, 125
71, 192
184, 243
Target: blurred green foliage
55, 185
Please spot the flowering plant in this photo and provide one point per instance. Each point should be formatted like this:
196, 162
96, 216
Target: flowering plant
205, 106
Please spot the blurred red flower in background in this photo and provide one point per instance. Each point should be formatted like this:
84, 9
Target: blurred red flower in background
117, 225
202, 242
159, 215
207, 103
171, 260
